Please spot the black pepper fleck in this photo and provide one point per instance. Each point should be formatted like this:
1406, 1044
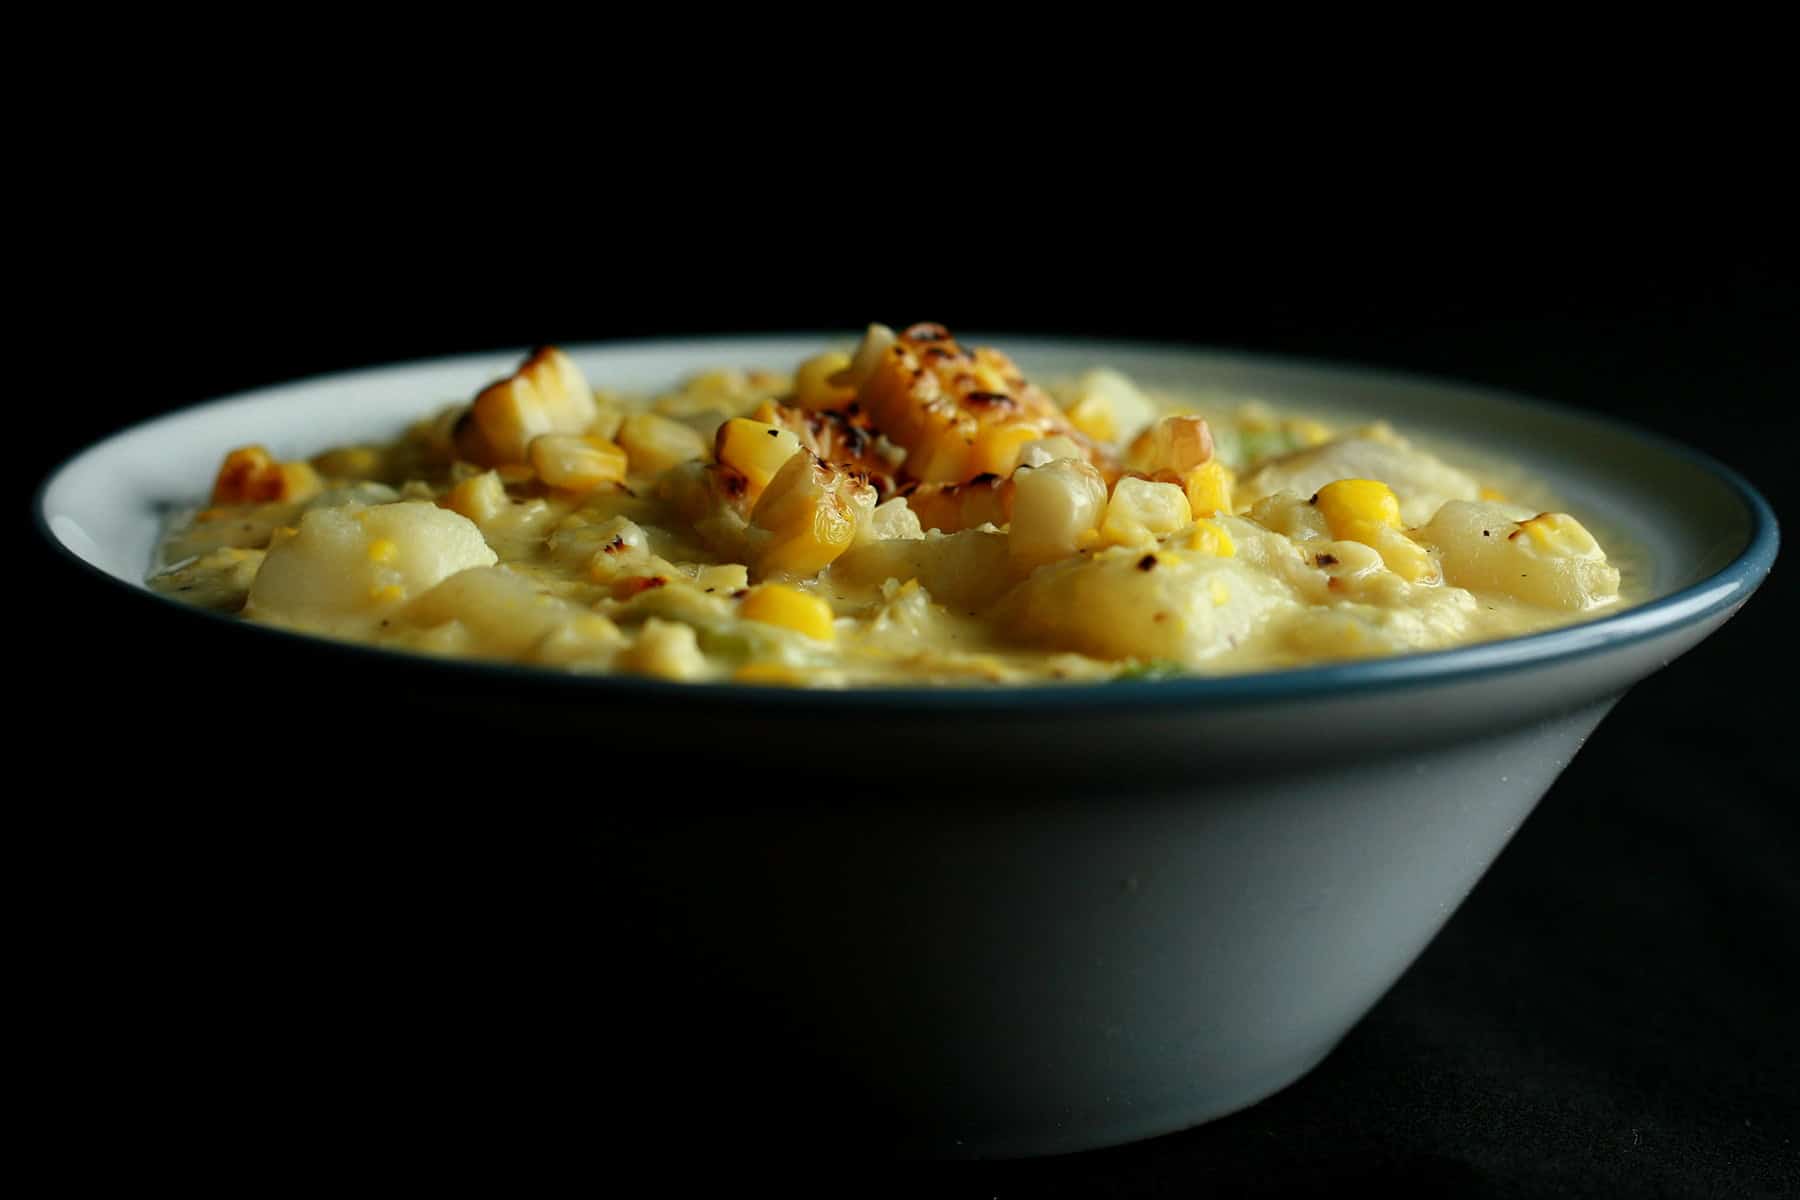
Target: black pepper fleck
1147, 563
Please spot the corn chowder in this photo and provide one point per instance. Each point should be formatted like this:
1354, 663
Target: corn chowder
914, 512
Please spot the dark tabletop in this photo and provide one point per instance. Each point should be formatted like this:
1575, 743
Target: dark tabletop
1611, 1013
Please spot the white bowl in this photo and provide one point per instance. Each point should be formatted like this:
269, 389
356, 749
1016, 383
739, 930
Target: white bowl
1009, 921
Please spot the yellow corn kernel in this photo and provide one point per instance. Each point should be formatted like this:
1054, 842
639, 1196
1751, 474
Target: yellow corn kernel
480, 498
989, 379
1176, 444
1558, 534
755, 449
724, 578
1209, 537
1208, 488
810, 512
813, 388
653, 444
1141, 510
1367, 511
1093, 415
1055, 507
1221, 595
546, 395
769, 673
1355, 508
576, 462
1492, 495
997, 448
383, 550
386, 594
790, 608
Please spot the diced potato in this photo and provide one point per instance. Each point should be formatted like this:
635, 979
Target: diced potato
664, 650
1131, 603
966, 571
346, 566
503, 614
1420, 482
1108, 406
1055, 507
480, 498
1141, 510
577, 462
1549, 560
656, 443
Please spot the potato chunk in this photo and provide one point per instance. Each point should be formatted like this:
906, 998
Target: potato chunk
1140, 603
1421, 482
344, 568
1549, 560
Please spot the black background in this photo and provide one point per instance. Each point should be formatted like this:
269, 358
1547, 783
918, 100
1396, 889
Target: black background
1612, 1012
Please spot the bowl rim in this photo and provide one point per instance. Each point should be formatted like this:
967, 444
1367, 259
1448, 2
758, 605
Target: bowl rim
1718, 593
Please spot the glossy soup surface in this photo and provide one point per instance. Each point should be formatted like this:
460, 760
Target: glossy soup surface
900, 512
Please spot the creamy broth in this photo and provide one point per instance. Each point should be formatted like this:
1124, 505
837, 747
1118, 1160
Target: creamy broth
911, 513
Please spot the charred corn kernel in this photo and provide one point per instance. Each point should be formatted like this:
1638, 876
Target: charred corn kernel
724, 578
1054, 507
546, 395
989, 379
997, 448
1142, 510
562, 391
1208, 488
1047, 449
755, 449
250, 475
769, 673
775, 604
813, 389
480, 498
1176, 444
387, 594
809, 513
1557, 534
653, 444
1210, 537
577, 462
383, 550
1492, 495
1355, 508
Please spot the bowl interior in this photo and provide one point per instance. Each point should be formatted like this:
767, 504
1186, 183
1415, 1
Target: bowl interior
1679, 516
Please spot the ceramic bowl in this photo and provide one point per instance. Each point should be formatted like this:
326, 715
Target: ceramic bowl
1013, 921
